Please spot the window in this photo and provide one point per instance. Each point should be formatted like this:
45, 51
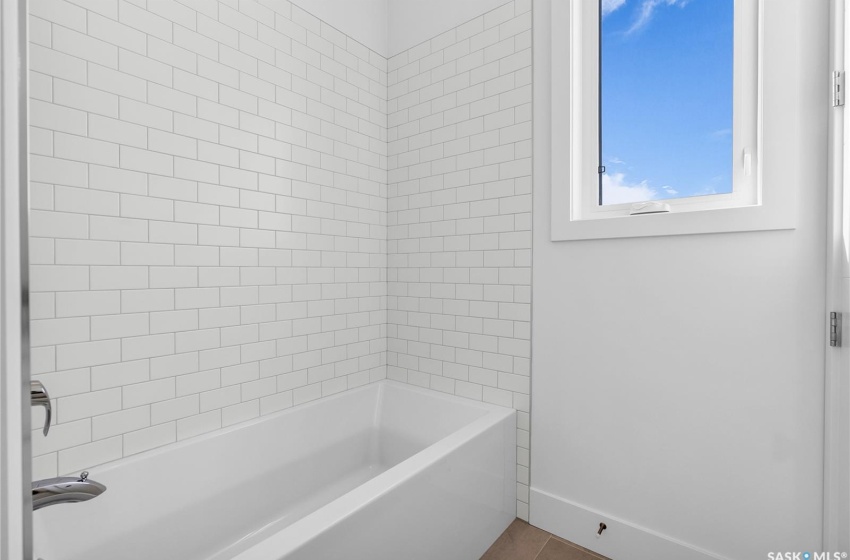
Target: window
658, 100
665, 99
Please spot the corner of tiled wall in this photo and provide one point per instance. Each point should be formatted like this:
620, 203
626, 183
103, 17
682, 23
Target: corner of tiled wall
237, 208
459, 305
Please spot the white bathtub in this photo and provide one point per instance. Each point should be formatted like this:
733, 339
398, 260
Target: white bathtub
386, 471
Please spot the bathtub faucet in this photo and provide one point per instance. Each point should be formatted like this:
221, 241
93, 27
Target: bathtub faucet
64, 490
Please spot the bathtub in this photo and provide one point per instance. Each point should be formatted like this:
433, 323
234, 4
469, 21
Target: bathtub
385, 471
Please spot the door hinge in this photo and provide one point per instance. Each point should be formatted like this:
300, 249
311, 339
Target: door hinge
837, 88
835, 329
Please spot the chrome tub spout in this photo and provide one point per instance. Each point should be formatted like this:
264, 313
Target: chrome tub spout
64, 490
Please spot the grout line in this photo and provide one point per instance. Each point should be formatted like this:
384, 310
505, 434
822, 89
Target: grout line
539, 552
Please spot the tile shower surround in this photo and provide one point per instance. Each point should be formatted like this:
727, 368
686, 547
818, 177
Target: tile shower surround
218, 231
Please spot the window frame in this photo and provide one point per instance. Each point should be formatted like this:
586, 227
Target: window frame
576, 213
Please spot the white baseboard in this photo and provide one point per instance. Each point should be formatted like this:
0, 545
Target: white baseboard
621, 540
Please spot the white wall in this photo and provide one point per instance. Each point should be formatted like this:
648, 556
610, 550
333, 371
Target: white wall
208, 225
411, 22
363, 20
678, 381
459, 238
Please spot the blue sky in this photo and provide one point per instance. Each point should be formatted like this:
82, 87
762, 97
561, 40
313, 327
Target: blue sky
666, 98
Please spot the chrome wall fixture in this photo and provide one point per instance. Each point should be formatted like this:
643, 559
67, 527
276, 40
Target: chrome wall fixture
40, 397
65, 490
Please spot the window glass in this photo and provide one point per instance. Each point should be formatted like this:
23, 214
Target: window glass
666, 70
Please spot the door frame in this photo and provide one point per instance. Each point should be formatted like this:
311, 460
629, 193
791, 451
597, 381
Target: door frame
15, 446
836, 503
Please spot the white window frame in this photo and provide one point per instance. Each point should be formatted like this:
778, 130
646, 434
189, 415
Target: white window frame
576, 213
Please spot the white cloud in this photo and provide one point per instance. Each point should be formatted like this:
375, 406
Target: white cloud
617, 190
609, 6
647, 9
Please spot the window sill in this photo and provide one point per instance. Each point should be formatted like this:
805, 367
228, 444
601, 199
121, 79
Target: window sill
776, 216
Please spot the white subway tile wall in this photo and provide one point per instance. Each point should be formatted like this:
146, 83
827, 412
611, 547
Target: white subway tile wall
209, 193
236, 209
459, 266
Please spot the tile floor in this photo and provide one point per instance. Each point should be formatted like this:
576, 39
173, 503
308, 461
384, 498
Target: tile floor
522, 541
